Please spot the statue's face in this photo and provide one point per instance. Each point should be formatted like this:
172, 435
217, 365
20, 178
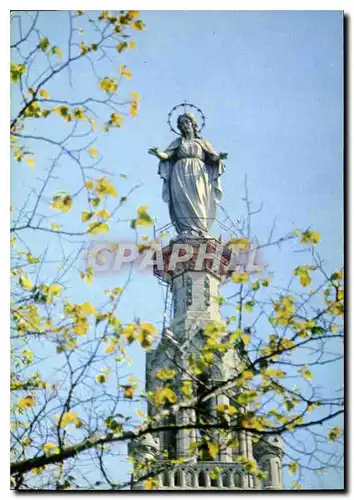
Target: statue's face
185, 126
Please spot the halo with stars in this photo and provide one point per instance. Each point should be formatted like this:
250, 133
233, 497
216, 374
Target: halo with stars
187, 108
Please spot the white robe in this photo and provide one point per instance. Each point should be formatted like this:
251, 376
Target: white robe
191, 184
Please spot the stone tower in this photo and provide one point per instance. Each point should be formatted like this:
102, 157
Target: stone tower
194, 289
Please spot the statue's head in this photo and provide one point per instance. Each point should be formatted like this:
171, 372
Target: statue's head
187, 122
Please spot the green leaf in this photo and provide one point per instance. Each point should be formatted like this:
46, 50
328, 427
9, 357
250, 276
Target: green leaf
121, 46
44, 44
334, 434
143, 219
16, 71
248, 307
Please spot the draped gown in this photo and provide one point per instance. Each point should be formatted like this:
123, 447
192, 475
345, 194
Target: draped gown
191, 184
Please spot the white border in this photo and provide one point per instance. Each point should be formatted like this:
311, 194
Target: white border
346, 6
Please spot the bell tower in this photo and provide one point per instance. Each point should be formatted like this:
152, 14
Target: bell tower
194, 287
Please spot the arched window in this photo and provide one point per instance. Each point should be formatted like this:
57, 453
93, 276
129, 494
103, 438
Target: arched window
170, 438
166, 478
202, 479
214, 482
225, 479
179, 478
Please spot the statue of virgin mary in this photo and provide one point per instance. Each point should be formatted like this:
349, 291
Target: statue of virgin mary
191, 170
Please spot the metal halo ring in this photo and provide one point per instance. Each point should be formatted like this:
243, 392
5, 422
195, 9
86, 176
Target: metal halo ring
185, 105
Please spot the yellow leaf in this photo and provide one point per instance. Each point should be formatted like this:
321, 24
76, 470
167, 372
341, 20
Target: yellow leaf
187, 388
57, 51
213, 449
44, 93
293, 467
170, 395
69, 418
270, 372
165, 373
150, 484
32, 259
140, 413
26, 402
334, 433
121, 46
38, 470
103, 213
50, 449
138, 25
62, 202
98, 227
311, 237
124, 71
284, 309
88, 308
105, 188
133, 13
64, 112
79, 114
25, 282
93, 123
240, 277
143, 219
109, 85
30, 161
132, 44
306, 373
134, 108
16, 72
303, 273
95, 202
89, 184
148, 327
110, 348
116, 120
88, 275
245, 338
93, 152
208, 357
129, 391
101, 378
55, 290
85, 215
55, 227
81, 327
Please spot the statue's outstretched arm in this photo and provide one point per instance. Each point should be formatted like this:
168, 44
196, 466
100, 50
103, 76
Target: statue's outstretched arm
162, 155
214, 157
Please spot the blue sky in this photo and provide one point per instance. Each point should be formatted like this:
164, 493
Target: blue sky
271, 87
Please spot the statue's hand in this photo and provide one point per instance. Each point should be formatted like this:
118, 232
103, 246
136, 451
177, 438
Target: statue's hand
223, 156
154, 151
